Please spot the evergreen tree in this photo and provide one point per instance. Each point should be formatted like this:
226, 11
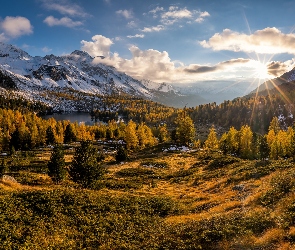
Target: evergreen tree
85, 168
122, 154
16, 140
263, 148
69, 134
56, 164
3, 168
223, 144
50, 138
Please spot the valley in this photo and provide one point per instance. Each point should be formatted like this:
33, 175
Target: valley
91, 161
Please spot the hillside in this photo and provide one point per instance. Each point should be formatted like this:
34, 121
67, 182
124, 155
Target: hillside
155, 201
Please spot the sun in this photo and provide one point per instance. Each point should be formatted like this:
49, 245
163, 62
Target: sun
261, 71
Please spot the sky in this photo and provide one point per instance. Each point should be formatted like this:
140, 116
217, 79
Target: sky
181, 42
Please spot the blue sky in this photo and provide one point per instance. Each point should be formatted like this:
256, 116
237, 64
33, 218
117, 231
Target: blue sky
173, 41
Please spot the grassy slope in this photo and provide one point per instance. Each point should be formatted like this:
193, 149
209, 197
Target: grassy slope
193, 200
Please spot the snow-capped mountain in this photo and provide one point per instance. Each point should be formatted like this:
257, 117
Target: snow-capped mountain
75, 71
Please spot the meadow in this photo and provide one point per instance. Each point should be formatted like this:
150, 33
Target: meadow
156, 200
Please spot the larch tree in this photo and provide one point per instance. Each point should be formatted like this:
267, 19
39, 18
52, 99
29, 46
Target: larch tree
246, 136
185, 130
212, 142
130, 136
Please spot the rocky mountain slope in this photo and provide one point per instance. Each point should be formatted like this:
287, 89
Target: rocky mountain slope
44, 78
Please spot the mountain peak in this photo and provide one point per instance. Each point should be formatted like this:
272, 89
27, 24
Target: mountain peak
81, 53
8, 50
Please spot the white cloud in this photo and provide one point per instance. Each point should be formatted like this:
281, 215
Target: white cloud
201, 16
125, 13
132, 24
276, 68
117, 38
137, 36
152, 29
266, 41
157, 9
64, 7
100, 46
46, 49
13, 27
176, 14
64, 21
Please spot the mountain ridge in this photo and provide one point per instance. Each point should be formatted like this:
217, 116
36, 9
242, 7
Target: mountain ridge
34, 77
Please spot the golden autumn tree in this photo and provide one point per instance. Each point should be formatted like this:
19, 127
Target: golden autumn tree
130, 136
212, 142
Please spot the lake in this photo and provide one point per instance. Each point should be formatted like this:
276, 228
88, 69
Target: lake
72, 117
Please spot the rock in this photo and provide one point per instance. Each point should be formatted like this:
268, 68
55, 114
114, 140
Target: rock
8, 178
240, 187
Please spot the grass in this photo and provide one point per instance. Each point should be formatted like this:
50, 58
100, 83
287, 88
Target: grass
167, 201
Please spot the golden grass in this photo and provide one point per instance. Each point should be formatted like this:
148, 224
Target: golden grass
270, 237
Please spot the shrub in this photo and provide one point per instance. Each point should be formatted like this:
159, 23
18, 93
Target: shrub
280, 184
122, 154
221, 162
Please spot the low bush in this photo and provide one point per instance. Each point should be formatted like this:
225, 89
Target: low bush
155, 164
135, 172
221, 162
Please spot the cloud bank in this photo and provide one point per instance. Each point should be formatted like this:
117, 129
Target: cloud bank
158, 66
64, 21
266, 41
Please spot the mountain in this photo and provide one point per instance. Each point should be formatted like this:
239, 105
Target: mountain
213, 91
48, 78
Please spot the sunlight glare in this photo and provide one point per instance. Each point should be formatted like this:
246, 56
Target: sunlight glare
261, 71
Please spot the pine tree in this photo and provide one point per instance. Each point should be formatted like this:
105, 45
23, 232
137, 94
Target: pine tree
85, 168
56, 165
3, 168
16, 140
69, 135
263, 148
50, 138
122, 154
